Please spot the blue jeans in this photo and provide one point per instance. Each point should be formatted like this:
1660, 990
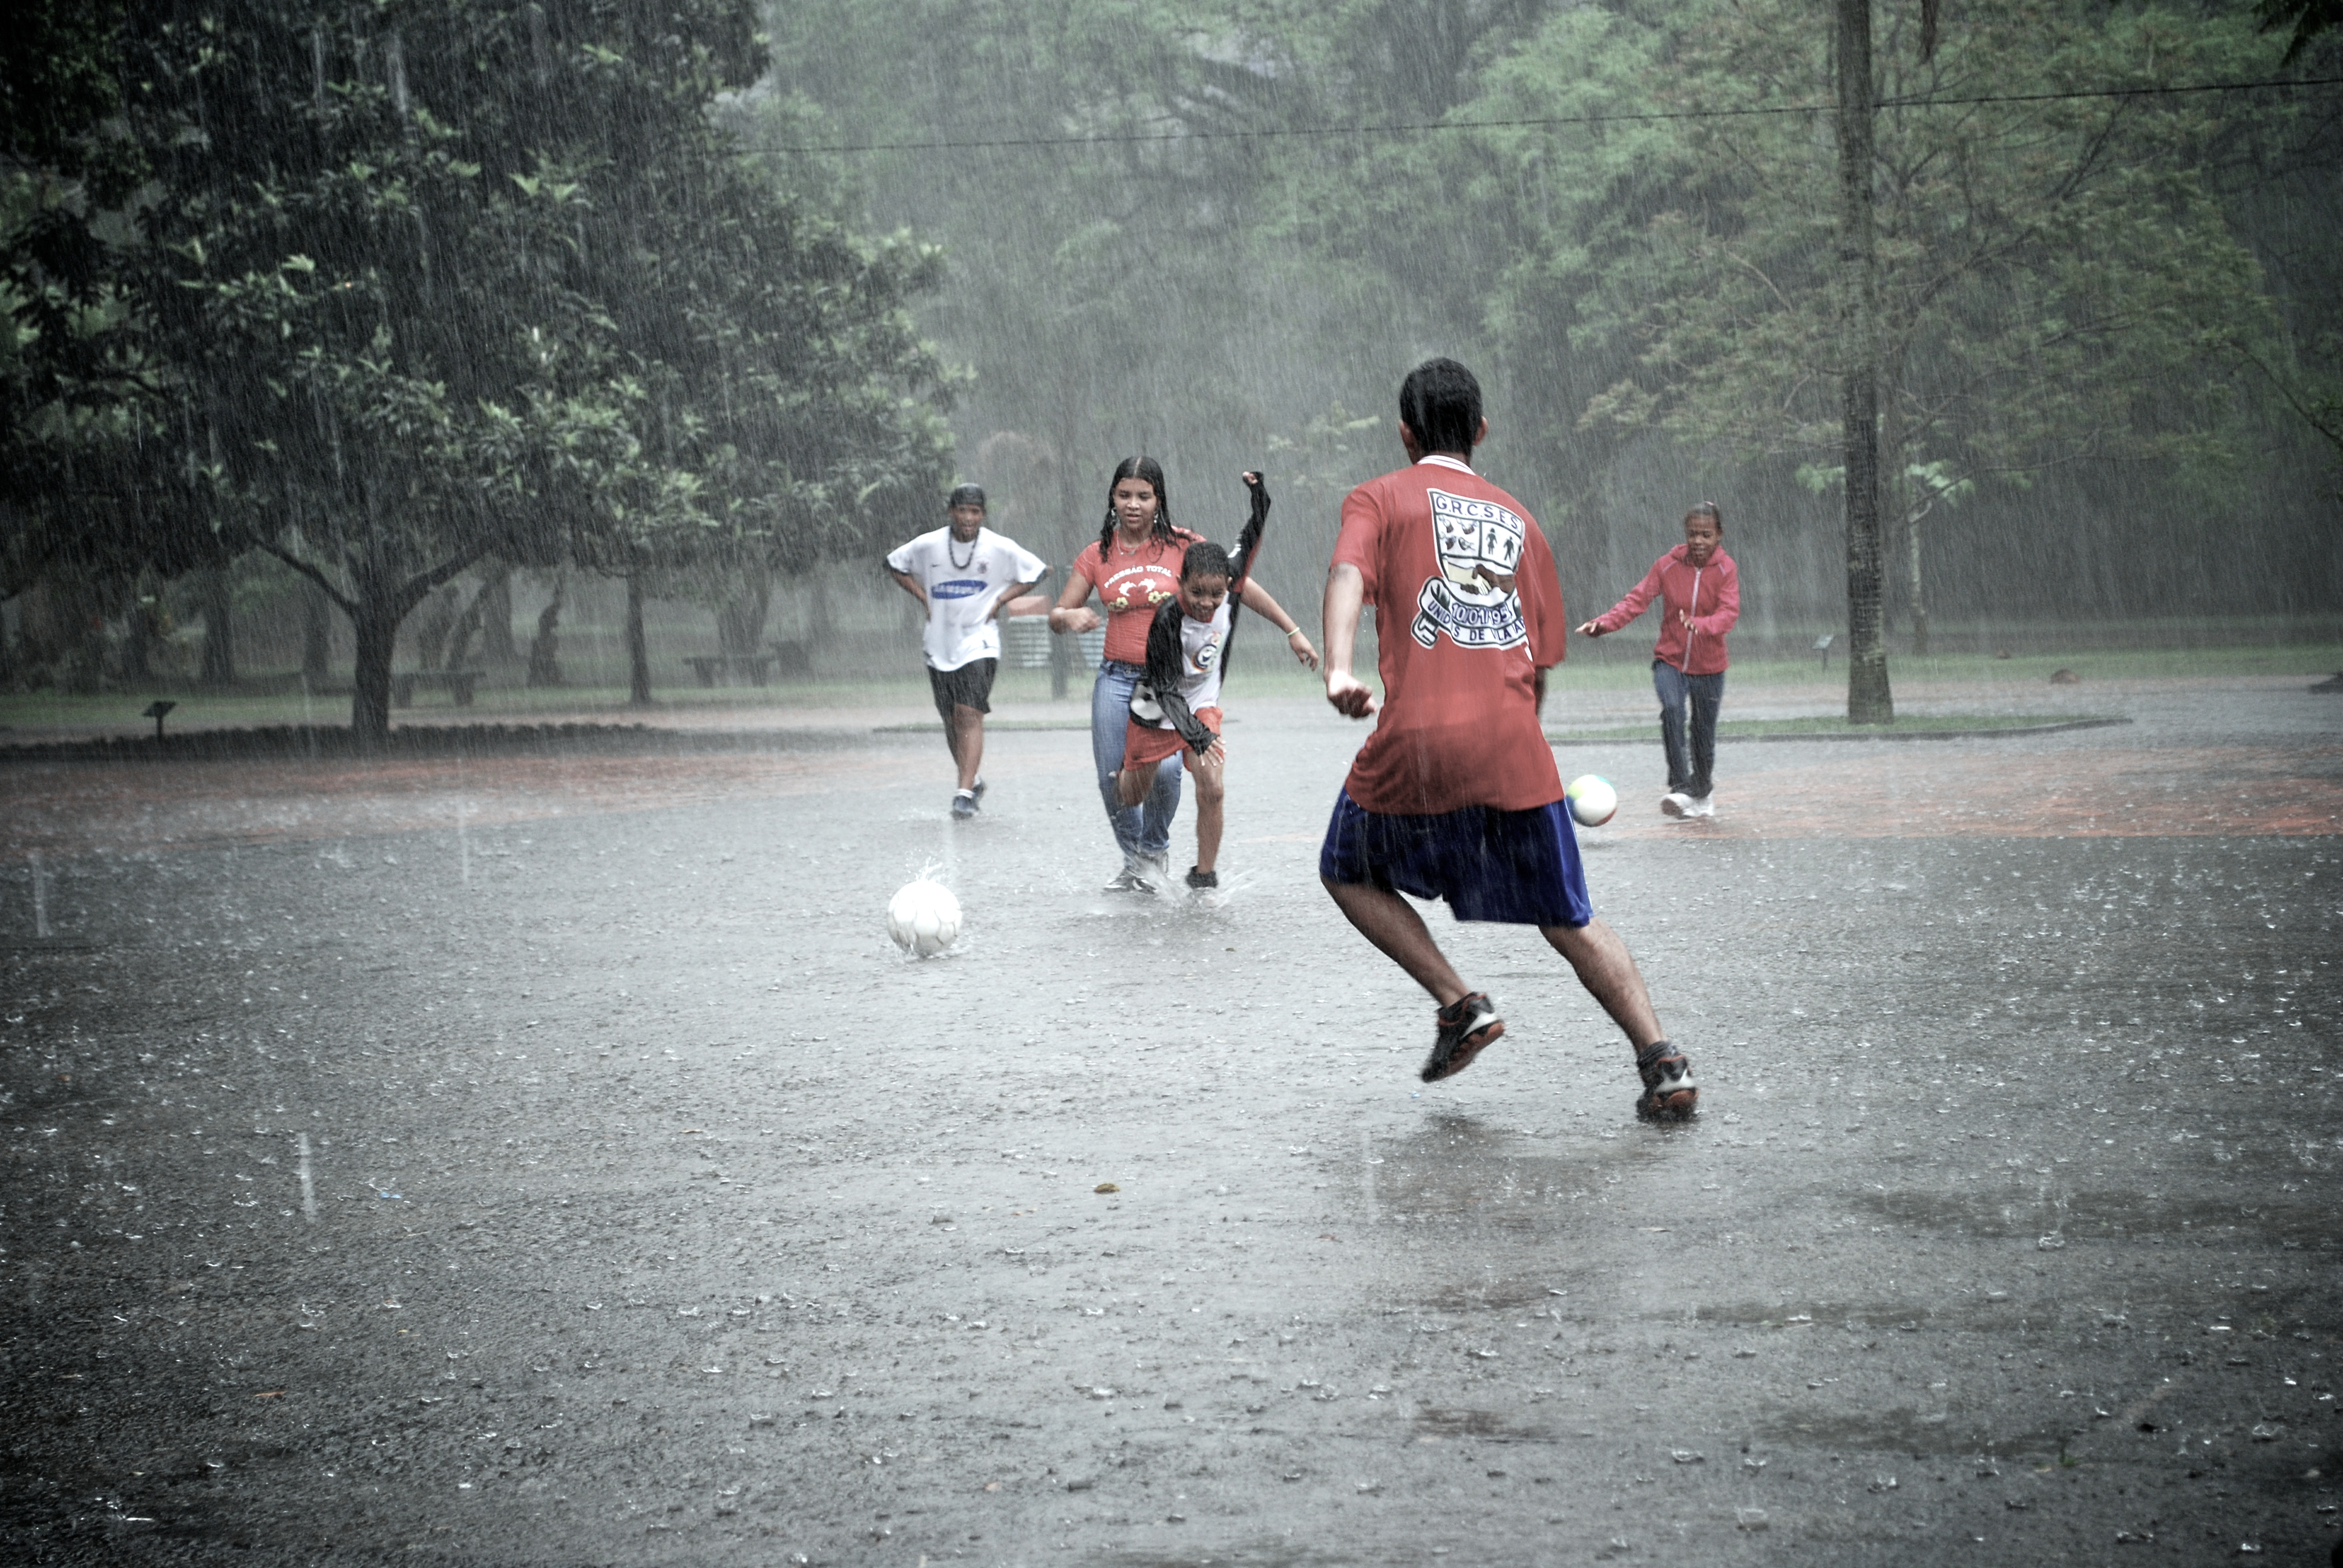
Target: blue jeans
1688, 774
1144, 828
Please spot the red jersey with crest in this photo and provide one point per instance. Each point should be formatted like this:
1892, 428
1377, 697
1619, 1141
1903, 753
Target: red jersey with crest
1467, 610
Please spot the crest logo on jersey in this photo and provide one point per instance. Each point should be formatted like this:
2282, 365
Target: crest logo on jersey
1474, 600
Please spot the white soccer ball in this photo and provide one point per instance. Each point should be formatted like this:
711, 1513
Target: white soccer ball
923, 918
1592, 801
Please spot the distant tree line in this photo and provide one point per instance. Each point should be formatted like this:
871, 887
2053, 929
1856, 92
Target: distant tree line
2107, 320
393, 292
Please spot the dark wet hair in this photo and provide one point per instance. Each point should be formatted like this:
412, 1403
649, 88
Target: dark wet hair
1149, 469
1205, 560
1441, 402
966, 496
1705, 509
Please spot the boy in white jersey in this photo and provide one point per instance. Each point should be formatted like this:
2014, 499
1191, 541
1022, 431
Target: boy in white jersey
966, 574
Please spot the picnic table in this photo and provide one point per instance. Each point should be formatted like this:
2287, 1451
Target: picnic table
457, 683
757, 667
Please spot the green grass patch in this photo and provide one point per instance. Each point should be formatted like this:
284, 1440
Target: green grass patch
2022, 670
1262, 669
1821, 725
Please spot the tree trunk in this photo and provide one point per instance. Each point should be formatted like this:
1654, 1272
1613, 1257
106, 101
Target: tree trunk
460, 640
375, 628
1868, 700
1918, 596
317, 633
821, 626
142, 631
1063, 649
741, 622
544, 661
495, 605
441, 613
219, 635
639, 659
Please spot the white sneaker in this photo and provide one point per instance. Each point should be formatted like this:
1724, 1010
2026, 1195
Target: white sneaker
1151, 873
1675, 804
1702, 805
1123, 881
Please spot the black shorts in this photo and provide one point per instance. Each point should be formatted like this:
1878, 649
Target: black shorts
970, 686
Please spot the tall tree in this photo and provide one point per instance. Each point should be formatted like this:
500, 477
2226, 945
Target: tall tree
444, 279
1868, 698
81, 394
2053, 283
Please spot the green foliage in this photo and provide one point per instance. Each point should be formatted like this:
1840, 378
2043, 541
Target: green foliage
2052, 275
430, 279
2309, 19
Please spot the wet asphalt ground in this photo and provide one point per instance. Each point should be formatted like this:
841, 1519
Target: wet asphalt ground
585, 1179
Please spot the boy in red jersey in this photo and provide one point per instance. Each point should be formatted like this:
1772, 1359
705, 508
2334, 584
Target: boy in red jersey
1455, 795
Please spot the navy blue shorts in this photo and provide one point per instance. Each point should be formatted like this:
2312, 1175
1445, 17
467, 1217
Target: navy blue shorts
1518, 868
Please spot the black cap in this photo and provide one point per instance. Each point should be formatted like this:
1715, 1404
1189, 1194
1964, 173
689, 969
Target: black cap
966, 496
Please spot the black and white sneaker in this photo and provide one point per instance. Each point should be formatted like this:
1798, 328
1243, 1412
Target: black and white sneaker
1669, 1093
1151, 873
1200, 881
1466, 1024
1125, 880
964, 804
977, 789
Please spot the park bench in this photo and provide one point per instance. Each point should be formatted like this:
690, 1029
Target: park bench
457, 683
757, 667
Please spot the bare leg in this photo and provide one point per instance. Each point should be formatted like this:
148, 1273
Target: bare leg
1131, 785
1211, 795
966, 733
1607, 969
1392, 924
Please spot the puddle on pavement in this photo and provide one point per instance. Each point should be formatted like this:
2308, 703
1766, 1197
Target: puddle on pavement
1460, 1167
1953, 1435
1495, 1425
1551, 1294
1259, 1551
2104, 1214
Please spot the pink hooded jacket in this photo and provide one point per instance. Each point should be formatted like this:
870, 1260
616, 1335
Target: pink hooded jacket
1712, 594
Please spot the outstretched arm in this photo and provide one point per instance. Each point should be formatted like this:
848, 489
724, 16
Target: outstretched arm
1638, 599
1256, 599
1249, 537
1346, 593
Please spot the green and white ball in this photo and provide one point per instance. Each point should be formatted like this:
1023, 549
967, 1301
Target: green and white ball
923, 918
1592, 801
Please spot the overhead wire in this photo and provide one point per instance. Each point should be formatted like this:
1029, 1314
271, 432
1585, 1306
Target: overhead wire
1531, 123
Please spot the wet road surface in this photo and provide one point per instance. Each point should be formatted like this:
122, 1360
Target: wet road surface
556, 1164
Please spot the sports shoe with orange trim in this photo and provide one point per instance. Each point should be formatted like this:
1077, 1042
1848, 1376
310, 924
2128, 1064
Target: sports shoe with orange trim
1466, 1025
1669, 1093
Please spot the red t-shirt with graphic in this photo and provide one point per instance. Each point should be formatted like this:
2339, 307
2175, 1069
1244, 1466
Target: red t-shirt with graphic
1132, 586
1467, 610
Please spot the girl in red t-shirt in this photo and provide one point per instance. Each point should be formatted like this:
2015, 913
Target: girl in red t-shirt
1132, 567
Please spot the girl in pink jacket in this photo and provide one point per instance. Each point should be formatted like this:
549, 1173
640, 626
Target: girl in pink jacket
1699, 591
